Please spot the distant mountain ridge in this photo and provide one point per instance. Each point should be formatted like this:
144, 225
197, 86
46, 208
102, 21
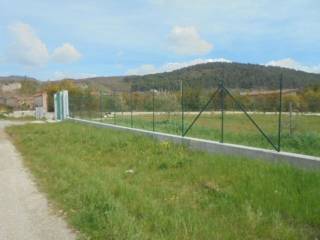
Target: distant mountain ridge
10, 79
235, 76
208, 75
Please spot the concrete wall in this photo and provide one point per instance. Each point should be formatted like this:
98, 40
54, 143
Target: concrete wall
30, 113
299, 160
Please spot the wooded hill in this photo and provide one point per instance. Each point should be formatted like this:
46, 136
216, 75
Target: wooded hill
235, 76
105, 83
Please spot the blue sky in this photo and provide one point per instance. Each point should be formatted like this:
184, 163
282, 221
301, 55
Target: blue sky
57, 39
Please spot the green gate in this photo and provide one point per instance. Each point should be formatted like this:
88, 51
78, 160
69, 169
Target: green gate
61, 105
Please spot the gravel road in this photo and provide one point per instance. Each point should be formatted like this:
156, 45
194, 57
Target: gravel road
24, 211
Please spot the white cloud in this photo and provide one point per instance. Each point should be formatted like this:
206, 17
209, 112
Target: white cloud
67, 53
168, 67
27, 48
187, 41
292, 64
63, 75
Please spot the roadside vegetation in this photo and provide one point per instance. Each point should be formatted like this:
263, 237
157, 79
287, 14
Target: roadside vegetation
117, 185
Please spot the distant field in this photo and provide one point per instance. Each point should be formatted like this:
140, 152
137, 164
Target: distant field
304, 137
116, 185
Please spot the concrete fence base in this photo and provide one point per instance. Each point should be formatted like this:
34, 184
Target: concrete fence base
299, 160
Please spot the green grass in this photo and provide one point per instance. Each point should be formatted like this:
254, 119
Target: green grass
305, 137
173, 192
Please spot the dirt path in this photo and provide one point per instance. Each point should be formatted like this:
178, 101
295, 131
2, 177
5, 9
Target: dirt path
24, 211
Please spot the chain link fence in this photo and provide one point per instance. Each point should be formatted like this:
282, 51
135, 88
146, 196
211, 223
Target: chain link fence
278, 117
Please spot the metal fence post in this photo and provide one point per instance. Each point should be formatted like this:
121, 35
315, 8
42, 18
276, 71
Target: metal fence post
290, 119
100, 107
89, 107
280, 113
114, 108
80, 106
222, 110
131, 108
182, 108
153, 126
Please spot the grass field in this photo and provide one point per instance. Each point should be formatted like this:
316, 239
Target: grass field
304, 137
117, 185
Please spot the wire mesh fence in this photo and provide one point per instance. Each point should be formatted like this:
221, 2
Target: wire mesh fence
272, 117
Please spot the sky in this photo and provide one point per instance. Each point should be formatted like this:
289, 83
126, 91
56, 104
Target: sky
59, 39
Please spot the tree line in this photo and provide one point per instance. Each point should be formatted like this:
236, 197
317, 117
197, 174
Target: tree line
306, 100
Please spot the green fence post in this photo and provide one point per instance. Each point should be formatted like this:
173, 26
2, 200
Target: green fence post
114, 108
100, 105
182, 108
153, 126
131, 109
280, 113
222, 109
88, 106
70, 106
81, 109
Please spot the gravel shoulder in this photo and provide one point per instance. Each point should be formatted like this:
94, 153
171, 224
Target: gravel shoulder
24, 211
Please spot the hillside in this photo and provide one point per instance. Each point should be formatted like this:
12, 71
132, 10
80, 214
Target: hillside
235, 75
29, 86
11, 79
105, 83
18, 85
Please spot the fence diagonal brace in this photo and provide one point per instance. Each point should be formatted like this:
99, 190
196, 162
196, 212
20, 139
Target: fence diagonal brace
199, 114
251, 119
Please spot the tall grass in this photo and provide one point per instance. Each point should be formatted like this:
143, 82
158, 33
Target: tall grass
304, 137
116, 185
